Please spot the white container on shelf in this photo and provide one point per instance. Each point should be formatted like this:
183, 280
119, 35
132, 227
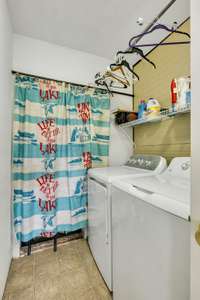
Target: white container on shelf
183, 92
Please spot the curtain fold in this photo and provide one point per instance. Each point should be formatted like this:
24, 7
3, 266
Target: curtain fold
59, 132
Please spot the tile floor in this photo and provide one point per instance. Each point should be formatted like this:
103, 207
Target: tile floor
68, 274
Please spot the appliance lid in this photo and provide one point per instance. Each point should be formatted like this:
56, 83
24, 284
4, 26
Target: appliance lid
138, 164
173, 183
170, 195
110, 173
167, 186
169, 191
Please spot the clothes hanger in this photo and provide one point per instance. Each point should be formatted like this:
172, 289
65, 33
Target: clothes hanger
123, 81
163, 44
138, 51
132, 41
113, 79
103, 83
120, 68
100, 80
122, 62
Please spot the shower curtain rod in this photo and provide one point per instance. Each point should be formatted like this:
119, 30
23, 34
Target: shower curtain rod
77, 84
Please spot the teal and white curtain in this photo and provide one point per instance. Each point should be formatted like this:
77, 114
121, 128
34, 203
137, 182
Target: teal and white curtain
59, 132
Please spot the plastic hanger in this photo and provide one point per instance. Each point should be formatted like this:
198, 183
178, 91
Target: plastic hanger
122, 62
133, 40
103, 83
122, 80
138, 51
121, 84
108, 75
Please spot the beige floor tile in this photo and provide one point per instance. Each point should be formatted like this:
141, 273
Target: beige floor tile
68, 274
76, 280
53, 296
20, 279
69, 262
93, 273
102, 293
26, 294
90, 295
48, 269
87, 295
21, 264
45, 257
47, 287
68, 251
5, 296
84, 252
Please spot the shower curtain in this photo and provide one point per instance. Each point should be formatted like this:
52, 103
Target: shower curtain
59, 131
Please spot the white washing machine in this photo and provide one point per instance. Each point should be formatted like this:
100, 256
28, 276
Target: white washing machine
99, 205
151, 235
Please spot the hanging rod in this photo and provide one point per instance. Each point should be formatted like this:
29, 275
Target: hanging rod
163, 41
73, 83
149, 26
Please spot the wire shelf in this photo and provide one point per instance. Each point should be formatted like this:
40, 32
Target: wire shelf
164, 115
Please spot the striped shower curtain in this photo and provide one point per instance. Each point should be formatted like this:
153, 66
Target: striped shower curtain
59, 132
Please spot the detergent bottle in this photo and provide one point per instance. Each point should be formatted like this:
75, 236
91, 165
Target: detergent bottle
153, 108
141, 109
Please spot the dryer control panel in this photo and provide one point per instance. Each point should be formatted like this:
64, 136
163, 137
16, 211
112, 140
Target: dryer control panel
146, 162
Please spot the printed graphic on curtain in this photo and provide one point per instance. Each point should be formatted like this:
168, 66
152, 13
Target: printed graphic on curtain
59, 132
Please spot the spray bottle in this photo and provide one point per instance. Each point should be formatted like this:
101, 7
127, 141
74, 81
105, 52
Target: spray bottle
174, 94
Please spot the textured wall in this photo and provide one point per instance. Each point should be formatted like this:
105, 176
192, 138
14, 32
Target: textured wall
169, 138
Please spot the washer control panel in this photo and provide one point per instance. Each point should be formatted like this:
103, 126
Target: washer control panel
180, 166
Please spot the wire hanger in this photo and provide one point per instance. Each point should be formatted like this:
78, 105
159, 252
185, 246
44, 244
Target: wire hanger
100, 80
133, 40
138, 51
121, 61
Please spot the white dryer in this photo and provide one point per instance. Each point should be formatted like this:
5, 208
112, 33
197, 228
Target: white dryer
151, 235
99, 205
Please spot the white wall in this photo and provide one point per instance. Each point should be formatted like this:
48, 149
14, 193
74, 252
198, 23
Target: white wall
195, 218
121, 140
50, 60
5, 134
